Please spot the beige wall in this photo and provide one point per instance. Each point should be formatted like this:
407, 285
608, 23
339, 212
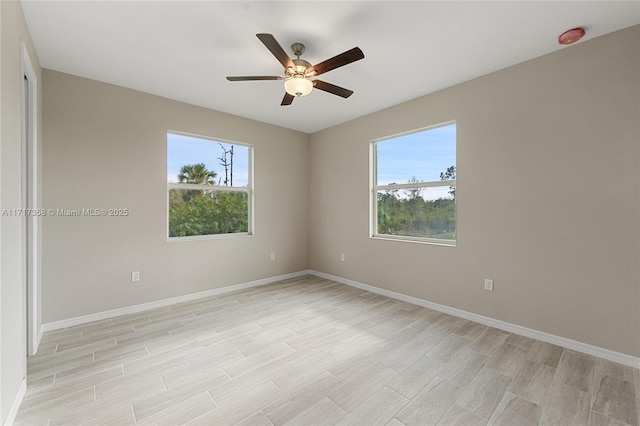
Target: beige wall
105, 147
548, 199
13, 32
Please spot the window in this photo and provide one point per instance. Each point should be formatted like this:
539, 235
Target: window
413, 194
208, 186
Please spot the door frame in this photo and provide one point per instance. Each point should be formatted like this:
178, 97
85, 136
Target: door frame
30, 194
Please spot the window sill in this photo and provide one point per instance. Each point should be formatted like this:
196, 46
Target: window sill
418, 240
208, 237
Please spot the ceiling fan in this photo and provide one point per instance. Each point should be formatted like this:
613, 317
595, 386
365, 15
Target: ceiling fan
298, 72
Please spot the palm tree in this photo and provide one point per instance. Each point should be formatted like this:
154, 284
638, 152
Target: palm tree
197, 174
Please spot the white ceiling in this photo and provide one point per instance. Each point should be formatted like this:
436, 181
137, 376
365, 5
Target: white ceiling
183, 50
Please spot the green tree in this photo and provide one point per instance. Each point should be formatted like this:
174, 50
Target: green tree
414, 193
450, 174
412, 215
205, 212
197, 174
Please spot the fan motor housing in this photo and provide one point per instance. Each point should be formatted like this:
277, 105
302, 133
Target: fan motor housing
301, 67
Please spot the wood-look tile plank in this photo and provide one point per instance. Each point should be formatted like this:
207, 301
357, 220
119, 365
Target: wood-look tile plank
313, 337
292, 379
233, 332
464, 367
576, 369
617, 399
458, 416
33, 399
267, 337
324, 412
246, 365
97, 367
152, 360
128, 388
449, 348
236, 407
194, 375
121, 353
377, 410
523, 342
36, 414
508, 359
237, 389
514, 410
51, 365
212, 353
472, 330
489, 341
566, 405
416, 344
598, 419
256, 419
418, 375
431, 404
36, 385
94, 413
97, 342
286, 408
181, 412
356, 389
545, 353
56, 335
609, 368
484, 393
100, 324
533, 382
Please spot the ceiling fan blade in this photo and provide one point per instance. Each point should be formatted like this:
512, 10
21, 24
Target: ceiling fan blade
287, 99
337, 61
274, 47
255, 77
332, 88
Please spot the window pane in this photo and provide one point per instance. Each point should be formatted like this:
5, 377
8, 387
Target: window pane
418, 212
206, 162
198, 212
420, 156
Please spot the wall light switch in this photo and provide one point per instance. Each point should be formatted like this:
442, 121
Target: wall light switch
135, 276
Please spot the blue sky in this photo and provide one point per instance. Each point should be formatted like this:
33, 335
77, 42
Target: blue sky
423, 154
182, 149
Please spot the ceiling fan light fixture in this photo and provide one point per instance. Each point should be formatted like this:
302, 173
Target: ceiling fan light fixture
298, 85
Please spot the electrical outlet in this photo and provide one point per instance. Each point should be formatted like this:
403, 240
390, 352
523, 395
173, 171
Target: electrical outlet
273, 256
342, 257
488, 284
135, 276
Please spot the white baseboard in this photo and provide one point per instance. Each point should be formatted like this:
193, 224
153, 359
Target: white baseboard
70, 322
17, 402
491, 322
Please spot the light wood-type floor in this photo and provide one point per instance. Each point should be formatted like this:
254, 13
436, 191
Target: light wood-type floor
309, 351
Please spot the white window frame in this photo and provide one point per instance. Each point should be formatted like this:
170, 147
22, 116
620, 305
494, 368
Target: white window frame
375, 188
248, 189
